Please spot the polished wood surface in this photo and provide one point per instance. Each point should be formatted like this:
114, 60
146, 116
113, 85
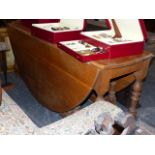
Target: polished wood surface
4, 48
61, 83
55, 78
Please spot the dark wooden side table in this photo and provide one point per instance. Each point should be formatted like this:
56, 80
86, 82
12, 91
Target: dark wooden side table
3, 62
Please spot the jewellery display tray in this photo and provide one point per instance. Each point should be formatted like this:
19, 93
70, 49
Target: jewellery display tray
82, 50
65, 29
131, 43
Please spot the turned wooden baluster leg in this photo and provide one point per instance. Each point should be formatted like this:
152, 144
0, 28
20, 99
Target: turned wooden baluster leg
137, 87
112, 93
136, 92
99, 97
102, 85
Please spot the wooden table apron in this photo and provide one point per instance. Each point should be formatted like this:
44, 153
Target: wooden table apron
59, 81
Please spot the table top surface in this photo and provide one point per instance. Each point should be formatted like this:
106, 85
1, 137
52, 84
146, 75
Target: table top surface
101, 64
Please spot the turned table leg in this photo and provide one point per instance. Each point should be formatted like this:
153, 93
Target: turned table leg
137, 87
102, 86
112, 93
99, 98
136, 92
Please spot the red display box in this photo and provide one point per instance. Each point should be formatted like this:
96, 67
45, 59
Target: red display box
47, 32
82, 53
131, 43
29, 22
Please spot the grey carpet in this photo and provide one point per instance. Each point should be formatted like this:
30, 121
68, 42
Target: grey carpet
40, 115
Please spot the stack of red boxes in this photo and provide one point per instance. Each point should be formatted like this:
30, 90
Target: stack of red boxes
107, 44
124, 38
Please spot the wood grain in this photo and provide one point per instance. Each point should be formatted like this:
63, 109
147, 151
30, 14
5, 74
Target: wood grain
61, 83
56, 79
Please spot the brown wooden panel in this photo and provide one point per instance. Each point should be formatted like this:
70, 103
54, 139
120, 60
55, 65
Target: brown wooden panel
84, 71
55, 78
